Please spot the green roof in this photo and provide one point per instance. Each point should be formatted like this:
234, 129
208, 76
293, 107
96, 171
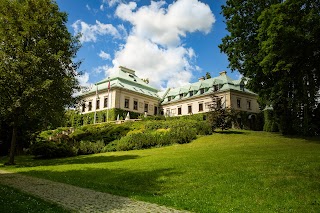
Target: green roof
126, 79
223, 82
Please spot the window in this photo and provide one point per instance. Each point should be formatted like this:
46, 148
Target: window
179, 110
201, 90
105, 103
98, 104
191, 93
126, 103
248, 104
146, 107
83, 107
242, 86
169, 98
200, 107
90, 106
173, 112
181, 95
190, 109
135, 105
155, 110
239, 103
168, 112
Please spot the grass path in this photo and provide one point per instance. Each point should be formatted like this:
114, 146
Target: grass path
238, 171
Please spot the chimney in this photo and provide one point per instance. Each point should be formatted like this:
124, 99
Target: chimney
223, 73
201, 78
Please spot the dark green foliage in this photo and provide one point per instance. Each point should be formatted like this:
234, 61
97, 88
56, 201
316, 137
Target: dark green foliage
75, 119
270, 122
248, 120
51, 149
203, 128
87, 147
276, 45
37, 71
221, 118
89, 139
153, 117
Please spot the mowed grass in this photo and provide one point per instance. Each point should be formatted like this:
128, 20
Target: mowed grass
12, 201
235, 171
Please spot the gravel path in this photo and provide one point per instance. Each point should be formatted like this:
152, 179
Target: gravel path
76, 198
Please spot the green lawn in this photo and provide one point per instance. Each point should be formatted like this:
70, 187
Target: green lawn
12, 201
237, 171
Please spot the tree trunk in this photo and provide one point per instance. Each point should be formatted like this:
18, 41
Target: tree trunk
13, 144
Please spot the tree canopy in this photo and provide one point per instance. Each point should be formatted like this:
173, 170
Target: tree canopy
37, 72
276, 45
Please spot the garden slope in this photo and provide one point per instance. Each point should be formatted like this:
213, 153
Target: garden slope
239, 171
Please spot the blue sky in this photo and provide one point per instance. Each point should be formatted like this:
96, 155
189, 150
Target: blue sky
169, 42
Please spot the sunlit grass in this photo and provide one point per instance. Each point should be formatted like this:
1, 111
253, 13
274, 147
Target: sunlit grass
239, 171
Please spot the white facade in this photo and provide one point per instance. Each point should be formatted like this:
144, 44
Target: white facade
128, 92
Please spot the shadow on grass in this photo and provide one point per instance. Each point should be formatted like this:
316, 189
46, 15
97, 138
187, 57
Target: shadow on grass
315, 139
140, 184
29, 161
227, 132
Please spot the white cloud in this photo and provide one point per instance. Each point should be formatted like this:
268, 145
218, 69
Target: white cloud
88, 7
101, 69
167, 26
84, 80
163, 67
154, 47
112, 3
104, 55
90, 32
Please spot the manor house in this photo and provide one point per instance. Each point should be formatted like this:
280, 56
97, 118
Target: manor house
126, 91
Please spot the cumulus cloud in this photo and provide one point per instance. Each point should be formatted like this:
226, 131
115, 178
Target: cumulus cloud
101, 69
167, 26
90, 32
83, 79
104, 55
154, 47
111, 3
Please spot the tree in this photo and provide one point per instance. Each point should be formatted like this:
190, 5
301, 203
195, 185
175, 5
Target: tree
276, 45
37, 74
219, 116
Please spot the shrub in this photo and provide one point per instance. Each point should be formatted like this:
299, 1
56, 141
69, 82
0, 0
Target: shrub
87, 147
203, 128
51, 149
182, 134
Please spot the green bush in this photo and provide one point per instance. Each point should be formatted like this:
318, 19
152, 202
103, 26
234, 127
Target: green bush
51, 149
87, 147
182, 134
203, 128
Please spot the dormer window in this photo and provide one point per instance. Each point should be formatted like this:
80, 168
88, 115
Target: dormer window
201, 90
242, 87
181, 95
169, 98
191, 93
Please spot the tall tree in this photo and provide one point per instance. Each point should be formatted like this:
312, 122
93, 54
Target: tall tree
37, 74
276, 45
